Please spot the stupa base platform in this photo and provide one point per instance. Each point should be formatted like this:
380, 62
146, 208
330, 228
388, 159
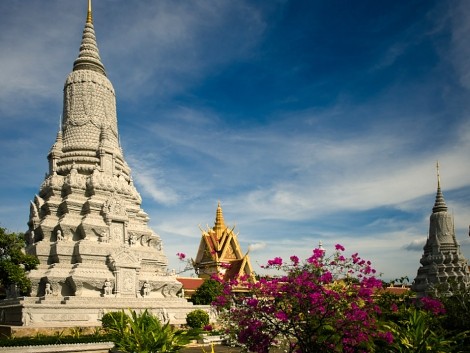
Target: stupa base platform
82, 311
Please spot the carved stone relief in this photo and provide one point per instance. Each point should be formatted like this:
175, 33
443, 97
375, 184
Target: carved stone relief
117, 233
126, 284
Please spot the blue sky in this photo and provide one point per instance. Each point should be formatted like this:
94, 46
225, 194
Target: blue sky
308, 120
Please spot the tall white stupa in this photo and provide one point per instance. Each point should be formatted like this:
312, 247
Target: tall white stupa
86, 225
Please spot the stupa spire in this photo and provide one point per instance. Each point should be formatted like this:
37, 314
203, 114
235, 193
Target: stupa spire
219, 219
90, 107
89, 56
439, 204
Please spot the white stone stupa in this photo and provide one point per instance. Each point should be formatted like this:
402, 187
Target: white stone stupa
443, 267
86, 225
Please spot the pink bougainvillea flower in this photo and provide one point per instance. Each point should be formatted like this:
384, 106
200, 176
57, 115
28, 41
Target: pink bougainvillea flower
295, 260
277, 261
432, 305
339, 247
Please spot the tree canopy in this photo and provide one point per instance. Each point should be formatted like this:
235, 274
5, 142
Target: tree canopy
14, 262
207, 292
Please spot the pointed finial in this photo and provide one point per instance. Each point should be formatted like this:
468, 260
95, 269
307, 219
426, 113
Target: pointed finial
438, 176
89, 16
219, 219
89, 56
439, 204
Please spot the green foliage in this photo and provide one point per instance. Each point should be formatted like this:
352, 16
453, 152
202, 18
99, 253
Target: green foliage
417, 326
417, 333
456, 320
110, 319
457, 310
399, 302
197, 318
14, 263
207, 292
141, 333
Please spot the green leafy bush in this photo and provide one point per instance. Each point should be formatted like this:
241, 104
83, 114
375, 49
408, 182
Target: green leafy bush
207, 292
197, 318
141, 333
110, 319
457, 310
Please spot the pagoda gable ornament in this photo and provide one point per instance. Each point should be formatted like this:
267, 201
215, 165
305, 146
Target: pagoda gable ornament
219, 250
123, 257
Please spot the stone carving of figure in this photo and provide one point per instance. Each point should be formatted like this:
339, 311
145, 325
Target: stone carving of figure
59, 235
73, 175
103, 237
155, 242
132, 239
163, 315
27, 318
48, 290
107, 288
146, 289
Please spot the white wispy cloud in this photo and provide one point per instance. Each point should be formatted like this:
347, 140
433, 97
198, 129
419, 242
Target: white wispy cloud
416, 245
256, 246
152, 181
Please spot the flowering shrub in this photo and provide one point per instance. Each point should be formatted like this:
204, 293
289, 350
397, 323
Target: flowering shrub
324, 304
431, 305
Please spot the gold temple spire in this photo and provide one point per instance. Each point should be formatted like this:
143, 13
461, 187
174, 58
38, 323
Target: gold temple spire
219, 225
89, 16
